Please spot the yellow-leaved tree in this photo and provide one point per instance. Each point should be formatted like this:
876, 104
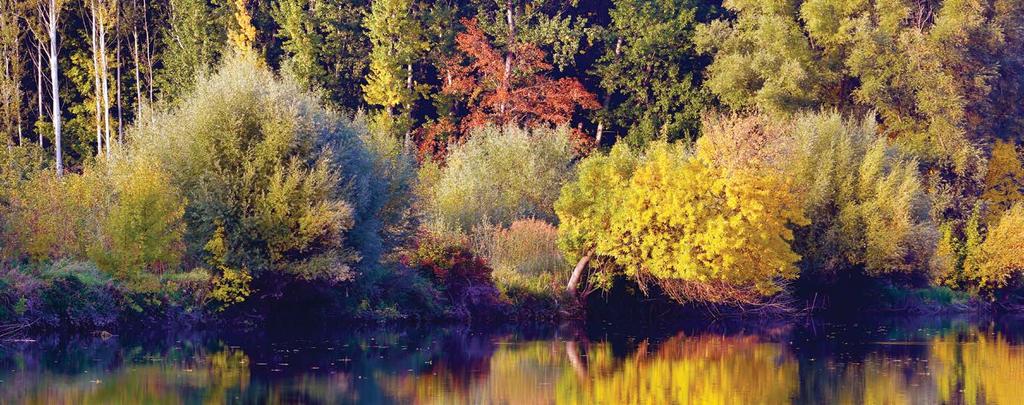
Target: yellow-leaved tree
704, 231
686, 218
1004, 180
992, 265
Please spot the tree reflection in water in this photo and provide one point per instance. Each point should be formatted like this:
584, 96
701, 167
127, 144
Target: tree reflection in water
890, 362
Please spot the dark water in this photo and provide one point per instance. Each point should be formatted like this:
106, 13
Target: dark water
894, 361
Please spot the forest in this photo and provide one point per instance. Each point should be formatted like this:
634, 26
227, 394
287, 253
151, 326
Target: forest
180, 162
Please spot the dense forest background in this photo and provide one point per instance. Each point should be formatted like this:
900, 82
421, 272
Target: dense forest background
390, 159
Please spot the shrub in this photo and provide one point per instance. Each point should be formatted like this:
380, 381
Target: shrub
74, 295
464, 278
525, 256
52, 219
500, 175
681, 217
143, 228
999, 258
251, 154
865, 201
585, 206
123, 216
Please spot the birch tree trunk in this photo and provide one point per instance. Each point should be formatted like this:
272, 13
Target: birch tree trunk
138, 76
51, 10
39, 85
96, 77
105, 68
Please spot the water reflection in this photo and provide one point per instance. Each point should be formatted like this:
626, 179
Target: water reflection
889, 362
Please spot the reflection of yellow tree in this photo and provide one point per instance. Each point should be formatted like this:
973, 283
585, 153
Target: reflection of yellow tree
699, 370
880, 379
970, 368
706, 370
986, 368
516, 373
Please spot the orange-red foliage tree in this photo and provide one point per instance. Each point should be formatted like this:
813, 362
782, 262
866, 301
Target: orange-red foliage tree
510, 86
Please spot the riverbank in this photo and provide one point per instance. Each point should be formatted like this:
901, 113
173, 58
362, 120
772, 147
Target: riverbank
74, 297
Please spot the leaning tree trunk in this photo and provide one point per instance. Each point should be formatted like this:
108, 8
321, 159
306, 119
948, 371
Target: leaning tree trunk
577, 274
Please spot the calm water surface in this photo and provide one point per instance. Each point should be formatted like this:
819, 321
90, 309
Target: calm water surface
919, 361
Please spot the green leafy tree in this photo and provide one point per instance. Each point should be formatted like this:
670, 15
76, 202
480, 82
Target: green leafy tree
193, 42
651, 68
927, 68
397, 41
325, 47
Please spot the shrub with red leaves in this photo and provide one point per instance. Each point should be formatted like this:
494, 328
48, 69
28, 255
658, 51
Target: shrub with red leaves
464, 277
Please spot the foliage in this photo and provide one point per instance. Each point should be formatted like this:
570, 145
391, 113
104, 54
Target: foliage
524, 256
244, 149
325, 47
651, 63
1004, 180
682, 217
500, 175
125, 218
687, 219
144, 226
75, 295
510, 86
397, 41
586, 206
464, 277
866, 202
193, 41
929, 70
231, 287
998, 259
241, 34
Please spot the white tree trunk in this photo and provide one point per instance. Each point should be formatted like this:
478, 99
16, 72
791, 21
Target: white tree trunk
39, 85
96, 78
105, 68
51, 23
138, 76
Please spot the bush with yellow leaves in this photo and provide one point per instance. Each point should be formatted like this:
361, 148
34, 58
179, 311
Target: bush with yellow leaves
683, 217
996, 261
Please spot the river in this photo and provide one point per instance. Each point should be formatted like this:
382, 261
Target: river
924, 360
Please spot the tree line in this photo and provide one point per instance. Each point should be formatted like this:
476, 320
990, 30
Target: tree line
485, 152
